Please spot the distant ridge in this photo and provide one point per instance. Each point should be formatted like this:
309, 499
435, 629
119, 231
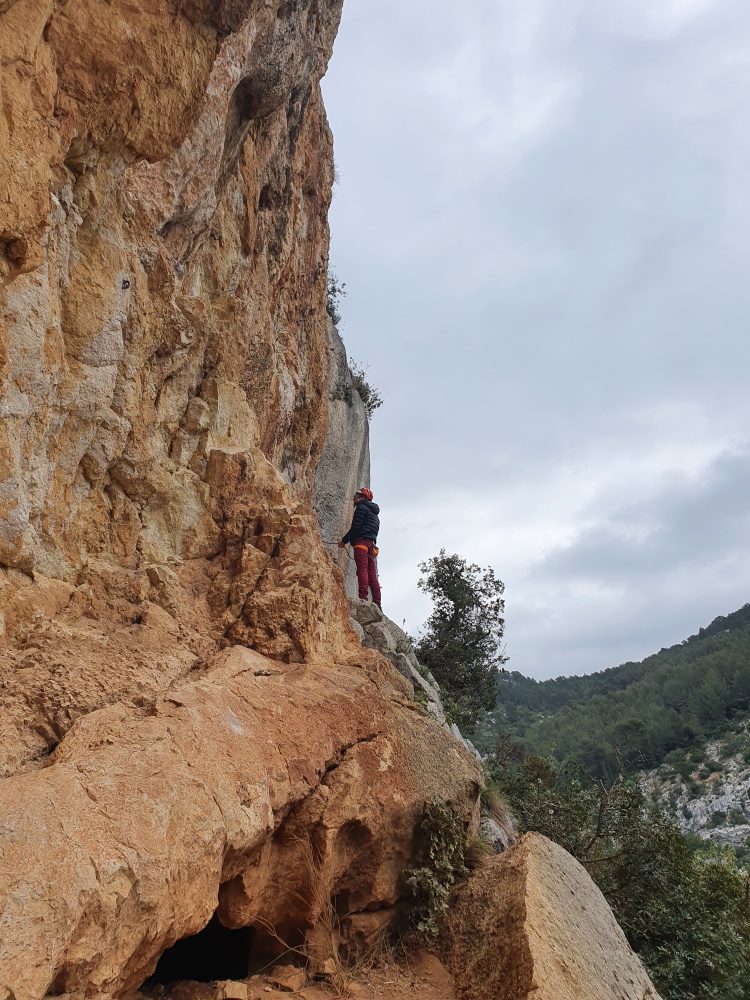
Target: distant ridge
639, 711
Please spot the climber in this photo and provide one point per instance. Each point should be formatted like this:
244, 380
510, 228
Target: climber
363, 534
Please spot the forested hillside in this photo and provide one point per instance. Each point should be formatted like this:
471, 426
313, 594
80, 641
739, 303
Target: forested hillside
676, 698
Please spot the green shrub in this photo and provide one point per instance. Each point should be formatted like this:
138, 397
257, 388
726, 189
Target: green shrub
439, 862
334, 292
369, 395
462, 641
420, 696
733, 744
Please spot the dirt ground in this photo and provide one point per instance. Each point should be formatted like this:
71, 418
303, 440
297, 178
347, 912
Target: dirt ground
422, 977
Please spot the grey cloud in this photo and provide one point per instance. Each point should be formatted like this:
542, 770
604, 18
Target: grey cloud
544, 244
683, 527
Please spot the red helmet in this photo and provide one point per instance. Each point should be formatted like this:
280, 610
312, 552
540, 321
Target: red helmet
364, 492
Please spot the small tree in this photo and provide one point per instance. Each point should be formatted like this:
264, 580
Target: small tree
369, 395
462, 637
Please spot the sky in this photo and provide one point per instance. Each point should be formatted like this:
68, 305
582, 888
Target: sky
543, 224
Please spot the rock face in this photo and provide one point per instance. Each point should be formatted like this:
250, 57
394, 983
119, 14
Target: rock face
377, 631
164, 349
223, 791
532, 924
345, 462
714, 800
171, 621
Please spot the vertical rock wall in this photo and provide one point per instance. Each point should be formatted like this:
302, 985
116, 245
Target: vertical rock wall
170, 621
345, 461
164, 347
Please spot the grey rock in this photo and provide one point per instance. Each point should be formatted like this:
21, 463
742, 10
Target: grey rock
365, 612
399, 661
500, 836
726, 793
381, 636
344, 463
358, 629
453, 728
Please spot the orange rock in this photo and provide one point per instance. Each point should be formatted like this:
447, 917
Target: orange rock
259, 784
288, 978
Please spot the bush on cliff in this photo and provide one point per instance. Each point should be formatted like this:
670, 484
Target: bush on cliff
685, 913
439, 863
369, 395
462, 638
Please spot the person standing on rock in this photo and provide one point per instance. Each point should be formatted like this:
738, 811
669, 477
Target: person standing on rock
363, 535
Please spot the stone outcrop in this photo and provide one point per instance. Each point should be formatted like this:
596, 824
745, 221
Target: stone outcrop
223, 790
185, 711
531, 925
376, 631
344, 464
714, 800
164, 349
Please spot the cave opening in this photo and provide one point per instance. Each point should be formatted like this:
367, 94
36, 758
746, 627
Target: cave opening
216, 952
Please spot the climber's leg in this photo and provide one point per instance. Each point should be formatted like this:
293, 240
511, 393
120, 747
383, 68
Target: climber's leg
372, 573
361, 553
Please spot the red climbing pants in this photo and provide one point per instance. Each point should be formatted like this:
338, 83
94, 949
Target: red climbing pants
367, 571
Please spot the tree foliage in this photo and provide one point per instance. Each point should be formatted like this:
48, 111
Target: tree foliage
672, 700
461, 644
685, 913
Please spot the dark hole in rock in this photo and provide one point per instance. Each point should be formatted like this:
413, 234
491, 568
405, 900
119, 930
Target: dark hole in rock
214, 953
265, 198
249, 100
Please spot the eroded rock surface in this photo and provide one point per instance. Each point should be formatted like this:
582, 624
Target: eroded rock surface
532, 924
376, 631
240, 788
164, 349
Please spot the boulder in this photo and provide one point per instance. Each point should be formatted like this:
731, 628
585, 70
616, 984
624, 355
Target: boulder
530, 924
365, 612
268, 787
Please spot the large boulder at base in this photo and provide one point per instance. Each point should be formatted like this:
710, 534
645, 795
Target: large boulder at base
532, 925
236, 793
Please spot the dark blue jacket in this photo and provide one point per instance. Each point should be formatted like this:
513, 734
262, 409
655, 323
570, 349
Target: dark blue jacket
365, 523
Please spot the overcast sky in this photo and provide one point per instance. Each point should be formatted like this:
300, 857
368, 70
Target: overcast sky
543, 223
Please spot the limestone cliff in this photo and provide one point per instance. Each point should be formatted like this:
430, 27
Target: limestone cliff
164, 348
184, 703
191, 732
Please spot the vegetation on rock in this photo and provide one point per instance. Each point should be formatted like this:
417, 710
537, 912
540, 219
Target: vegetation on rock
369, 395
440, 861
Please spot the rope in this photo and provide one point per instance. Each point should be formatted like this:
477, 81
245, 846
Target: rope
326, 542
